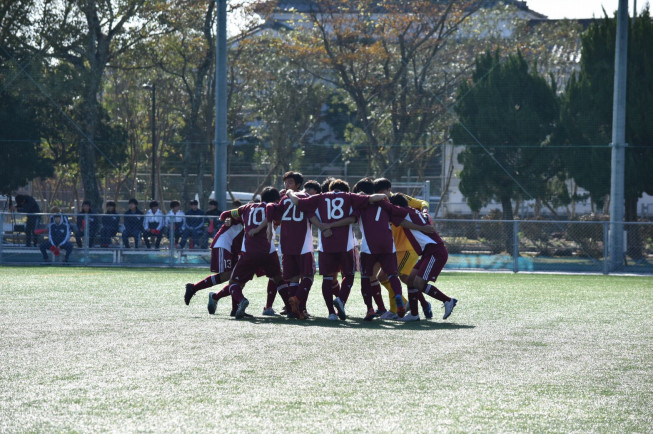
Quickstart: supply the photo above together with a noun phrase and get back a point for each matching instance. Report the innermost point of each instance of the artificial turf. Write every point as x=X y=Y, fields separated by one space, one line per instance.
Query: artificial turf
x=89 y=349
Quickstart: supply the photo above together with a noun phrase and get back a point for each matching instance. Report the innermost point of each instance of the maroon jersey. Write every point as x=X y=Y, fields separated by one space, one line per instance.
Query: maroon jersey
x=419 y=240
x=229 y=238
x=374 y=222
x=252 y=215
x=329 y=208
x=296 y=231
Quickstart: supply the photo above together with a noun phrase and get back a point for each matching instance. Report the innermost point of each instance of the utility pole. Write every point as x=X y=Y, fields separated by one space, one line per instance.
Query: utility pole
x=619 y=140
x=220 y=156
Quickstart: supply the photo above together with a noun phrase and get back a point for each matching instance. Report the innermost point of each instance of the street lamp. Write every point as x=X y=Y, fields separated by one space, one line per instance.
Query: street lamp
x=152 y=87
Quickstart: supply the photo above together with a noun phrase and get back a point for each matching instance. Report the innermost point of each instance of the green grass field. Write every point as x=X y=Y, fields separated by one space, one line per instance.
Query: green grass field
x=87 y=349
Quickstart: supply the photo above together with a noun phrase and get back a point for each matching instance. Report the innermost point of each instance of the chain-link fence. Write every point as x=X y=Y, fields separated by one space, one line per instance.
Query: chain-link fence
x=480 y=244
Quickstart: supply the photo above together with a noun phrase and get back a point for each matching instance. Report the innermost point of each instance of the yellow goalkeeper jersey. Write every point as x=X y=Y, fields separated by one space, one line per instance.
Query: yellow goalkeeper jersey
x=401 y=241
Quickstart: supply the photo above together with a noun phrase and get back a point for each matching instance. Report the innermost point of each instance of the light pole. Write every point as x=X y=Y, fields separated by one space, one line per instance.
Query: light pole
x=220 y=156
x=152 y=87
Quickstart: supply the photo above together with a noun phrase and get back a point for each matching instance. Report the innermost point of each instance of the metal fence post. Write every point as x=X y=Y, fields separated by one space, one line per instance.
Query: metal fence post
x=427 y=193
x=2 y=234
x=606 y=247
x=87 y=230
x=172 y=243
x=515 y=246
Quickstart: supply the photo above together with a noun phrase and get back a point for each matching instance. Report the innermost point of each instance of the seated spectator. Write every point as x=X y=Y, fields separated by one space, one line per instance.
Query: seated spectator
x=133 y=223
x=194 y=226
x=153 y=225
x=58 y=237
x=175 y=223
x=214 y=222
x=86 y=217
x=110 y=224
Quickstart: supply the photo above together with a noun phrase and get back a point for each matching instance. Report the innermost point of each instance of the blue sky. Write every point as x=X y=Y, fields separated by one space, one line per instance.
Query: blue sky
x=556 y=9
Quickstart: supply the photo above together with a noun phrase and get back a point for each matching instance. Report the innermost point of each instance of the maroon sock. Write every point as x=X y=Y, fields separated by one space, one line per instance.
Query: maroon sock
x=395 y=283
x=436 y=293
x=292 y=289
x=413 y=296
x=207 y=282
x=366 y=292
x=335 y=288
x=224 y=292
x=272 y=294
x=422 y=299
x=327 y=293
x=303 y=290
x=236 y=293
x=376 y=295
x=345 y=288
x=282 y=289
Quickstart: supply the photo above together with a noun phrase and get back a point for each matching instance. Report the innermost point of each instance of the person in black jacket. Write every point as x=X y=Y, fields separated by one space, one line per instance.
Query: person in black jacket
x=58 y=236
x=110 y=224
x=195 y=226
x=86 y=217
x=214 y=222
x=28 y=205
x=133 y=224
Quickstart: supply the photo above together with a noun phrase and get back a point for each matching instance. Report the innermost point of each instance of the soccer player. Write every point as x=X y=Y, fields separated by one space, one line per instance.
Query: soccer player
x=406 y=255
x=297 y=257
x=336 y=252
x=433 y=257
x=256 y=252
x=224 y=254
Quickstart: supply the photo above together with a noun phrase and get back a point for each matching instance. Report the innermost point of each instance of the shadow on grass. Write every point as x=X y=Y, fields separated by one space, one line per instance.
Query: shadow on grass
x=354 y=323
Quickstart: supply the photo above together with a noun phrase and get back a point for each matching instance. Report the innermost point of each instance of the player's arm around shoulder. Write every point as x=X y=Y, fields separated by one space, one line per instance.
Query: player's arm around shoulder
x=417 y=204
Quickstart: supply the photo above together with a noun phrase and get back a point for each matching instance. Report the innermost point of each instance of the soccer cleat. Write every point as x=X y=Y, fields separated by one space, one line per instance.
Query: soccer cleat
x=401 y=309
x=190 y=292
x=305 y=314
x=294 y=306
x=340 y=308
x=388 y=315
x=333 y=317
x=285 y=310
x=448 y=307
x=371 y=314
x=240 y=312
x=268 y=311
x=428 y=312
x=409 y=317
x=213 y=305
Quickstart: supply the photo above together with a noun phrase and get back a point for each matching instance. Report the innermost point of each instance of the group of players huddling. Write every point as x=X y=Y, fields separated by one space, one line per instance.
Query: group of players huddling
x=399 y=244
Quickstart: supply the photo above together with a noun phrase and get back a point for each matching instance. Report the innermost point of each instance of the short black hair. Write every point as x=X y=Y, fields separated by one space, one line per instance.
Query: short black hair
x=399 y=199
x=153 y=204
x=236 y=203
x=381 y=184
x=312 y=185
x=194 y=202
x=213 y=202
x=339 y=185
x=86 y=202
x=298 y=177
x=270 y=194
x=324 y=187
x=365 y=185
x=111 y=203
x=134 y=201
x=174 y=203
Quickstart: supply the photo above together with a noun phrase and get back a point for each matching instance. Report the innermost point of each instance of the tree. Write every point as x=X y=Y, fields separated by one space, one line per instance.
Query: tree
x=385 y=56
x=506 y=114
x=89 y=34
x=281 y=103
x=586 y=116
x=20 y=126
